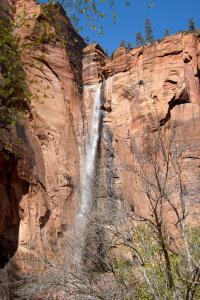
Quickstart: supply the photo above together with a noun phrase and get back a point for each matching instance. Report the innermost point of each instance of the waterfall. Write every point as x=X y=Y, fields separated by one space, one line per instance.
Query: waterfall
x=88 y=172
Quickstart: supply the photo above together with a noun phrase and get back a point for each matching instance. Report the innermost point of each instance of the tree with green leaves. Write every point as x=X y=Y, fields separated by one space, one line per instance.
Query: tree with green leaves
x=91 y=10
x=148 y=31
x=191 y=24
x=14 y=93
x=139 y=40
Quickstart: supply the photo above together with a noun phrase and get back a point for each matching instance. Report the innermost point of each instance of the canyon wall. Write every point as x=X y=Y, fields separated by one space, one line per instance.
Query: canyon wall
x=40 y=182
x=53 y=65
x=146 y=89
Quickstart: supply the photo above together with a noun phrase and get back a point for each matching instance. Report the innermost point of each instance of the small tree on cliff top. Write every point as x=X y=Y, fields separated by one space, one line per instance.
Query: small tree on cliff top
x=166 y=33
x=122 y=43
x=139 y=39
x=191 y=24
x=148 y=31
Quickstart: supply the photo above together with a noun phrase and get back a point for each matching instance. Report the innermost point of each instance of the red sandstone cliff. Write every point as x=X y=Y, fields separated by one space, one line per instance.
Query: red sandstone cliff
x=40 y=186
x=53 y=63
x=159 y=81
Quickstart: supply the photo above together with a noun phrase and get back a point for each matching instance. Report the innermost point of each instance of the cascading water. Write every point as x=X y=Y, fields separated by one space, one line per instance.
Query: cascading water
x=88 y=172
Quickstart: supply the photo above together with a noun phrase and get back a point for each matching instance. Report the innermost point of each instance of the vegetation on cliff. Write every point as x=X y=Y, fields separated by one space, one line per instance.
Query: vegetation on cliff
x=14 y=93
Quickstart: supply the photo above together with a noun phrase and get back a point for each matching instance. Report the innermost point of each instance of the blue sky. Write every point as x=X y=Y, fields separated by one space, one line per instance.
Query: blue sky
x=165 y=14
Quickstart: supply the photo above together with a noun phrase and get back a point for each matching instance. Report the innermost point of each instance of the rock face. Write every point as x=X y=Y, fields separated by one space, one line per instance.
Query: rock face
x=40 y=184
x=159 y=82
x=54 y=67
x=15 y=176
